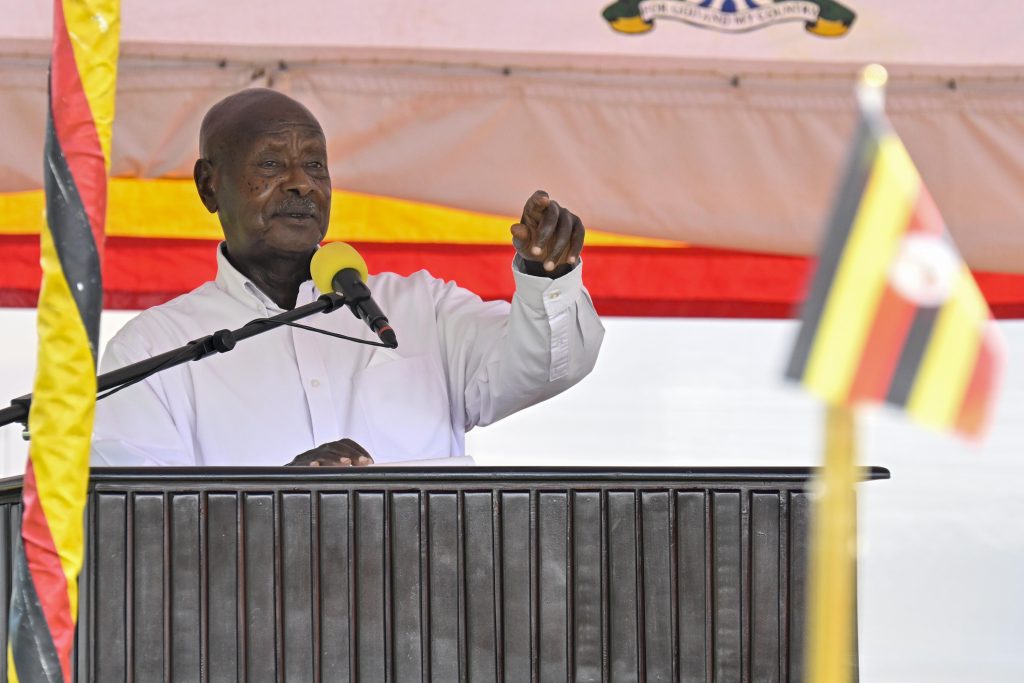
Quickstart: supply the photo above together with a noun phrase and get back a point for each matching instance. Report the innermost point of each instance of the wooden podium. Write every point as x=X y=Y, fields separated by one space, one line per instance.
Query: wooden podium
x=440 y=574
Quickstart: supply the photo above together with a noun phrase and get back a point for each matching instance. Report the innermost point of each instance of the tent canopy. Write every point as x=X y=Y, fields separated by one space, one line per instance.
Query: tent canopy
x=710 y=137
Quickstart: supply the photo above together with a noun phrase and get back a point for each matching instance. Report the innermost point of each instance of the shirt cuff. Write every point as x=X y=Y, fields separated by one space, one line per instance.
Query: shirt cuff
x=545 y=294
x=554 y=298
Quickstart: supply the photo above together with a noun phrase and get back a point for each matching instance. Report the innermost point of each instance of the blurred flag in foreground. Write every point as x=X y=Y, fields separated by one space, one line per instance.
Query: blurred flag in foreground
x=43 y=609
x=893 y=313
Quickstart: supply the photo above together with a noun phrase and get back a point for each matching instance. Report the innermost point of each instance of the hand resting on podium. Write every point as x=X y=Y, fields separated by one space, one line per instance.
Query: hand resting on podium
x=342 y=453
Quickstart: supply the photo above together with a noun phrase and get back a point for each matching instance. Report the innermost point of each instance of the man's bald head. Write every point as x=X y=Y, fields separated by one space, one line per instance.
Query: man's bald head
x=236 y=119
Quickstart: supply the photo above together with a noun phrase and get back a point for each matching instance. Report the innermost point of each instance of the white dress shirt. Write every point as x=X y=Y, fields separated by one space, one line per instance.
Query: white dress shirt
x=460 y=362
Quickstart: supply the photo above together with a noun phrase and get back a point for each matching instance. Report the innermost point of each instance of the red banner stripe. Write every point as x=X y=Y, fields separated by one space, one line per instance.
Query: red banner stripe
x=76 y=129
x=46 y=570
x=141 y=272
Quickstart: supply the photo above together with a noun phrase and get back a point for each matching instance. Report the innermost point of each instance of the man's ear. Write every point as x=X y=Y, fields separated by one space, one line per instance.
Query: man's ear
x=203 y=174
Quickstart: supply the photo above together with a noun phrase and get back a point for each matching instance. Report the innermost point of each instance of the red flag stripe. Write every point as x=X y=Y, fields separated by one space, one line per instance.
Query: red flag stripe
x=883 y=347
x=925 y=218
x=44 y=565
x=76 y=129
x=980 y=390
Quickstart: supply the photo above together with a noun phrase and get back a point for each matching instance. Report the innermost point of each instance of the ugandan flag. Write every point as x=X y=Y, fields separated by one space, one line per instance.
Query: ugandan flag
x=893 y=313
x=46 y=562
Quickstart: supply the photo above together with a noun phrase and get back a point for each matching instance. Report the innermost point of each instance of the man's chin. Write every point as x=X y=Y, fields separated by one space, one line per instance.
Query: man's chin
x=297 y=239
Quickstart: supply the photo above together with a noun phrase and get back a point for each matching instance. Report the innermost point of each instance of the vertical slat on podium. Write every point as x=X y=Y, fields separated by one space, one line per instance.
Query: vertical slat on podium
x=516 y=589
x=15 y=527
x=478 y=511
x=587 y=609
x=82 y=668
x=110 y=589
x=658 y=628
x=260 y=603
x=692 y=562
x=148 y=582
x=764 y=587
x=222 y=578
x=7 y=547
x=184 y=586
x=298 y=586
x=624 y=642
x=443 y=545
x=370 y=622
x=405 y=588
x=552 y=529
x=799 y=530
x=727 y=587
x=335 y=605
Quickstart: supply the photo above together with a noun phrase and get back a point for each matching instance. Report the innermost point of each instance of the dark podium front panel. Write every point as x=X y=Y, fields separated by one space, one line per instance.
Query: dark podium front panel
x=481 y=574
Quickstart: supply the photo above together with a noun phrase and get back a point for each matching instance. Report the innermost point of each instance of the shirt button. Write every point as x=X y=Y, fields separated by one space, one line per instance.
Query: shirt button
x=554 y=294
x=315 y=383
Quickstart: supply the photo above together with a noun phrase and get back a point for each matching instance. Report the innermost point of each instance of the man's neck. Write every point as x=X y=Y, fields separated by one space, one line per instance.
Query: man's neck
x=279 y=278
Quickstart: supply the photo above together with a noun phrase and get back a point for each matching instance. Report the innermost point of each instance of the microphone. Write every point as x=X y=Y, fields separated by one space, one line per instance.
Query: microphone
x=337 y=267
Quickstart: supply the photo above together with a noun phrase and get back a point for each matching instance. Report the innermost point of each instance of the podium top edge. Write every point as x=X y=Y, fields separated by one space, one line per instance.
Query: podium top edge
x=212 y=476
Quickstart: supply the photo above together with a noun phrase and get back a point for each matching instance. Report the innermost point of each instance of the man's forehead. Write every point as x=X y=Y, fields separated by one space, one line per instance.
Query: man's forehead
x=284 y=131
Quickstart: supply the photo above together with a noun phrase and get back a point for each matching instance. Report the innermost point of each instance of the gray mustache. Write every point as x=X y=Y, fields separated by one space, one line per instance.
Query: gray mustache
x=298 y=205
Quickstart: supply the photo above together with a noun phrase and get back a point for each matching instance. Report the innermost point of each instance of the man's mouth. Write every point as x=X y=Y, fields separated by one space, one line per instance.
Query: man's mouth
x=297 y=210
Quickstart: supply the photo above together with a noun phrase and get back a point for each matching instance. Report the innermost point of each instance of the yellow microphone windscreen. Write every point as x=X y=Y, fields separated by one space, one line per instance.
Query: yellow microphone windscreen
x=331 y=258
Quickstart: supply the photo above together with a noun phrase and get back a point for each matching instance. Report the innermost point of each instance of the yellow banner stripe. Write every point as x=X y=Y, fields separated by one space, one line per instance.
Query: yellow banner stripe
x=94 y=27
x=860 y=278
x=170 y=208
x=61 y=416
x=951 y=355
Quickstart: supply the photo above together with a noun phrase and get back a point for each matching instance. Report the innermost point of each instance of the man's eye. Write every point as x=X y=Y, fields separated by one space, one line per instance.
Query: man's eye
x=315 y=164
x=269 y=163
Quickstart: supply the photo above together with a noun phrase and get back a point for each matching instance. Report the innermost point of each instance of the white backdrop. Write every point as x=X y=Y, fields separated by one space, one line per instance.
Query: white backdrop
x=942 y=546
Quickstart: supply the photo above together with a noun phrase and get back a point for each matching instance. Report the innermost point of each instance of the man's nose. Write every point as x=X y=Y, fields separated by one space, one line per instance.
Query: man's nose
x=298 y=181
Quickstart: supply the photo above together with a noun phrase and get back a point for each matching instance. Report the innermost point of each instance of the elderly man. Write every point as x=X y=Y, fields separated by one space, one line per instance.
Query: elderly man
x=297 y=397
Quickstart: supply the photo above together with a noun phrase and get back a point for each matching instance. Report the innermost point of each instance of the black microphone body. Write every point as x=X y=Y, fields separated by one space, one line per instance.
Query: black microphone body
x=350 y=285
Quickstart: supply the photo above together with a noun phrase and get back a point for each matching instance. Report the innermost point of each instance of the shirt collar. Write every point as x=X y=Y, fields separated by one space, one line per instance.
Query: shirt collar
x=239 y=287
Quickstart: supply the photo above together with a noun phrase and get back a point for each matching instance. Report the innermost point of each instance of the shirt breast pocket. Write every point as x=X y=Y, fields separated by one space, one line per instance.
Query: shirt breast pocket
x=404 y=407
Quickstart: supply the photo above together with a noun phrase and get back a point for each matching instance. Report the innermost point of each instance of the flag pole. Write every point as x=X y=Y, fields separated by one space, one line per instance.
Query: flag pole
x=834 y=549
x=833 y=575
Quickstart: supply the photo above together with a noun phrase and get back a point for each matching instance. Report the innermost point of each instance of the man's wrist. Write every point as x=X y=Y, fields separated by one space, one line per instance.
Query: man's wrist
x=536 y=268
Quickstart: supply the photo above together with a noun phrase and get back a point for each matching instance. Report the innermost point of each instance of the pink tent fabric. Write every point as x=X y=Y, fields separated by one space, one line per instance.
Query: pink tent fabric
x=713 y=138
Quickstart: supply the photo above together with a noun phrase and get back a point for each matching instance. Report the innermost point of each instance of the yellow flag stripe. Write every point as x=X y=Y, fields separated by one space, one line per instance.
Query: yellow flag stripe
x=61 y=417
x=950 y=355
x=169 y=208
x=93 y=27
x=12 y=674
x=861 y=275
